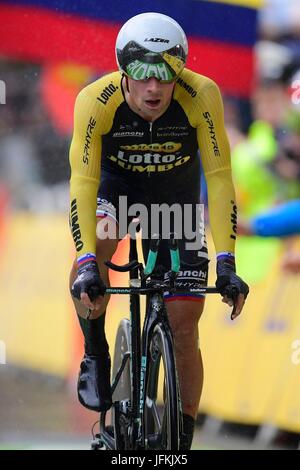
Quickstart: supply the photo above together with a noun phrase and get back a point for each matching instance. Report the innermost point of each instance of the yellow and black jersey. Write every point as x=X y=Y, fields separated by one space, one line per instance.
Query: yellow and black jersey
x=109 y=136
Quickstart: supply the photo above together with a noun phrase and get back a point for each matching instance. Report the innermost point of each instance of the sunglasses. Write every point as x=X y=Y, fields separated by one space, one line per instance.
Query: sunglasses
x=142 y=64
x=139 y=70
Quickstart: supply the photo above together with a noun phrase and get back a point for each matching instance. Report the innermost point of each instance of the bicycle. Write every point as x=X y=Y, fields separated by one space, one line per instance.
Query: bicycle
x=138 y=422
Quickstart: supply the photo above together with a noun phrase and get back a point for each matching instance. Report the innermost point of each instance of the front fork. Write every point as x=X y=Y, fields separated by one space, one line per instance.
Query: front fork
x=155 y=313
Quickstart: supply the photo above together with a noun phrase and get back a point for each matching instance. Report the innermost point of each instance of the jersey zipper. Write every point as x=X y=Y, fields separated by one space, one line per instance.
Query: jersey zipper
x=150 y=129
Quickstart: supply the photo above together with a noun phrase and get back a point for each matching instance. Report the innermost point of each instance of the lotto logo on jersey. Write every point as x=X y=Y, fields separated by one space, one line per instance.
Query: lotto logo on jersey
x=106 y=93
x=233 y=220
x=148 y=162
x=167 y=159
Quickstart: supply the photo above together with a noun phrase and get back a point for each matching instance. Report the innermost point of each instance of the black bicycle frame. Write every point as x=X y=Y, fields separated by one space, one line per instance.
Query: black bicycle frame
x=138 y=355
x=135 y=336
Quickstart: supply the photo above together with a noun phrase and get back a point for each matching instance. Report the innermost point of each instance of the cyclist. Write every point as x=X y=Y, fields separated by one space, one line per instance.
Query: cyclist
x=137 y=132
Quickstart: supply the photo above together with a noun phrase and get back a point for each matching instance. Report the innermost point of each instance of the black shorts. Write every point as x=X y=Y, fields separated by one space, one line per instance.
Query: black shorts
x=162 y=211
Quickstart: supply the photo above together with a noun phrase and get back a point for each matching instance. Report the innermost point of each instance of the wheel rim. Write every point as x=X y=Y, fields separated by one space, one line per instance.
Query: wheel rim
x=158 y=427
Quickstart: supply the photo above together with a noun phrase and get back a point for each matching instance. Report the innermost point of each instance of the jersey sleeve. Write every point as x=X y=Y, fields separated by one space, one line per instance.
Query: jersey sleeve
x=215 y=155
x=85 y=160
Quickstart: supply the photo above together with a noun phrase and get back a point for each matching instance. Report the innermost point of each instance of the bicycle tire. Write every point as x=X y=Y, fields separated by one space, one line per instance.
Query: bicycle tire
x=122 y=393
x=162 y=423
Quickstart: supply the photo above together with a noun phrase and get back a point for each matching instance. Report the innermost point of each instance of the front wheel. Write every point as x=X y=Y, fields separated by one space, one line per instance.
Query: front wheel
x=122 y=393
x=162 y=410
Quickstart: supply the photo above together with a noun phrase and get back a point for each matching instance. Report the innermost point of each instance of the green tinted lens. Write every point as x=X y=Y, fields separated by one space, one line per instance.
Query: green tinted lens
x=139 y=70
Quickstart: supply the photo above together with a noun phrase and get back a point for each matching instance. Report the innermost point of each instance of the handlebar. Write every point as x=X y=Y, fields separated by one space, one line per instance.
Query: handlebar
x=125 y=267
x=151 y=289
x=151 y=259
x=141 y=288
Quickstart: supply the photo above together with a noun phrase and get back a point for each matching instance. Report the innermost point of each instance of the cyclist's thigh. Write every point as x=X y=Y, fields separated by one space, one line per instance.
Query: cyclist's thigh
x=192 y=249
x=113 y=199
x=107 y=219
x=185 y=310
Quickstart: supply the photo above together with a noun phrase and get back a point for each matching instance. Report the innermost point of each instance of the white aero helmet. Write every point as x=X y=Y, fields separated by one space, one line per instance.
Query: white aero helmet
x=151 y=45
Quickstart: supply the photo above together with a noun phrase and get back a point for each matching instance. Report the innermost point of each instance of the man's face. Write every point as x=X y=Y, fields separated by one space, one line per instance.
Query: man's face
x=149 y=98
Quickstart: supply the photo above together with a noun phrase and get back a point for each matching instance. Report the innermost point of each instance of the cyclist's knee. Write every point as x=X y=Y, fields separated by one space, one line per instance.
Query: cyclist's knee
x=184 y=317
x=186 y=334
x=185 y=311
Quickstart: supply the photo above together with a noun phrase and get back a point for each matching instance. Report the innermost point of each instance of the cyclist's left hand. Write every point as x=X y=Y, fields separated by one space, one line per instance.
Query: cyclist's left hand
x=232 y=288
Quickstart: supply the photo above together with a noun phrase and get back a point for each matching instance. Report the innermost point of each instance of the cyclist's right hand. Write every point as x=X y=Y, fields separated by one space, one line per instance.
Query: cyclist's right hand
x=88 y=286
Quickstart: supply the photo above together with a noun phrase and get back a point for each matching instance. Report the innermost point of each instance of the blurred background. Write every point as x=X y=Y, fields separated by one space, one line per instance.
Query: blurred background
x=49 y=50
